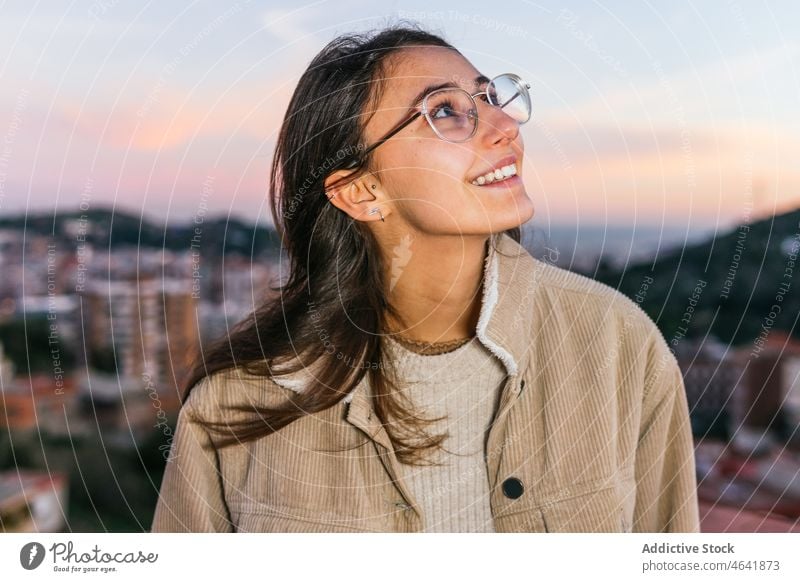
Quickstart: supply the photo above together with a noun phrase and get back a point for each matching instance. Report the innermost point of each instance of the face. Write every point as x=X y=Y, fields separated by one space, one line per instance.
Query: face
x=427 y=184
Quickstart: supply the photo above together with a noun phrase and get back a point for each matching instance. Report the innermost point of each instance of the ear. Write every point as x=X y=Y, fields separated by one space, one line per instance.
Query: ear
x=354 y=195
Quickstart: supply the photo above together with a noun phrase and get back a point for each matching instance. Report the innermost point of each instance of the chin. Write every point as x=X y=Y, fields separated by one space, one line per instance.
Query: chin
x=519 y=211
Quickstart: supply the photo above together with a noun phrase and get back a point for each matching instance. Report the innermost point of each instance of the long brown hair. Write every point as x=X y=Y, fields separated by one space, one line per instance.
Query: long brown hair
x=337 y=280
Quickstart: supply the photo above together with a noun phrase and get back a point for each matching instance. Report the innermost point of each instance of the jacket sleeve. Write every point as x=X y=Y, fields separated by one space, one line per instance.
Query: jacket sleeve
x=191 y=497
x=666 y=496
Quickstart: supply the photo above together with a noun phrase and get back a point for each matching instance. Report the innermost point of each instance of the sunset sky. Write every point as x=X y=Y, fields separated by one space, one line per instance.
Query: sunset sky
x=683 y=113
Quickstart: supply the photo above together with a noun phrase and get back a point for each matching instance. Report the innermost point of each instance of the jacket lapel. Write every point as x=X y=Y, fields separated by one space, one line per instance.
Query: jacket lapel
x=505 y=322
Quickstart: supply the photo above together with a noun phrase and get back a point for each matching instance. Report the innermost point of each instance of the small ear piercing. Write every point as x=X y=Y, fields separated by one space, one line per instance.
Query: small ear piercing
x=378 y=210
x=373 y=186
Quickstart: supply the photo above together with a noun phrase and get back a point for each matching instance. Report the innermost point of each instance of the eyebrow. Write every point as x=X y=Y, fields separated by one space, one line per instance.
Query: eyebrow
x=479 y=80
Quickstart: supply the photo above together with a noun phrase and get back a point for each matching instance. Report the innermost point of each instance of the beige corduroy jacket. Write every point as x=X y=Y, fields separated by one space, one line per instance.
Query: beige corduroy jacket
x=591 y=432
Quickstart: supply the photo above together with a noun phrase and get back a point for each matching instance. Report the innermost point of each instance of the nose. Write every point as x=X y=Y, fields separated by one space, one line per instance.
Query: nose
x=495 y=125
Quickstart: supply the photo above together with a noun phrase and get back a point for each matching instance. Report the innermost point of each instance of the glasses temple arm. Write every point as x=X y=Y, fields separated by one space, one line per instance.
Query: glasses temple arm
x=391 y=133
x=386 y=137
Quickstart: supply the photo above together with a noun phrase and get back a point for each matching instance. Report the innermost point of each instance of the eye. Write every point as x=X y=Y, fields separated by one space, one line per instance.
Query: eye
x=445 y=107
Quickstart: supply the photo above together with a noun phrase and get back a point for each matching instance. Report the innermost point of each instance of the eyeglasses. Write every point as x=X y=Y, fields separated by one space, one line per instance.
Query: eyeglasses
x=453 y=114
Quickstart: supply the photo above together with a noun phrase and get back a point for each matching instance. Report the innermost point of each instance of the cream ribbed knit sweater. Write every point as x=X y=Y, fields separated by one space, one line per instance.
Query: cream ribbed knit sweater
x=463 y=384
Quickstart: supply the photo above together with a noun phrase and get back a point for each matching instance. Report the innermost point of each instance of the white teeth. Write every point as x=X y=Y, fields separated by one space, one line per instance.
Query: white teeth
x=496 y=175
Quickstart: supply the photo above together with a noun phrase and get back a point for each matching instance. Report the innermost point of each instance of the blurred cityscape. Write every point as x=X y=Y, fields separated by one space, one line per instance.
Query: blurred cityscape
x=99 y=324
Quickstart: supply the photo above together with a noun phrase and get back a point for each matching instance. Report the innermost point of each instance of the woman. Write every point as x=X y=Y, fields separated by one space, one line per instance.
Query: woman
x=420 y=371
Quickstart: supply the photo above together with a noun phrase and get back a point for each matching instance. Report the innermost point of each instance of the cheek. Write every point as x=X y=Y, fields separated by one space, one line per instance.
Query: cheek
x=429 y=168
x=430 y=196
x=426 y=197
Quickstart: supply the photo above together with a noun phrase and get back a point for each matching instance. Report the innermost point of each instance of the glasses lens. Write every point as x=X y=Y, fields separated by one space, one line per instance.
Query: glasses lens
x=452 y=113
x=510 y=93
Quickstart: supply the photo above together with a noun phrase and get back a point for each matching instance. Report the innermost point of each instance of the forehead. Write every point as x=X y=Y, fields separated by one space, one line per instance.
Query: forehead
x=412 y=69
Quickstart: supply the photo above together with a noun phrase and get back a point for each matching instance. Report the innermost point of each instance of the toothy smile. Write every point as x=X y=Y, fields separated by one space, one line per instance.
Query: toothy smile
x=505 y=169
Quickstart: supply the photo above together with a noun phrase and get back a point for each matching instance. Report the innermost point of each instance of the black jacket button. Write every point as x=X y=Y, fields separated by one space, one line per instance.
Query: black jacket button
x=512 y=488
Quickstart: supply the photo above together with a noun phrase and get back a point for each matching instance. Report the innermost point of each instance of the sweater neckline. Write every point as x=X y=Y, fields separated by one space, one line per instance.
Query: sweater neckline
x=459 y=363
x=425 y=348
x=412 y=351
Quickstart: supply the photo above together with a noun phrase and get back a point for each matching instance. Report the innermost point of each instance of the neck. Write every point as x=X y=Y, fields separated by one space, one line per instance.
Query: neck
x=436 y=285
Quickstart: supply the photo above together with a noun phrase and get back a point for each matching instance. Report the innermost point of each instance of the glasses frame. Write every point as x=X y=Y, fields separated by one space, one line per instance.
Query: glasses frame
x=426 y=113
